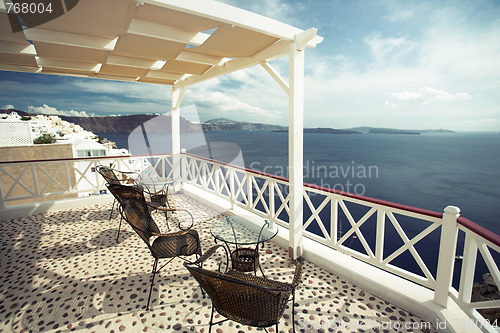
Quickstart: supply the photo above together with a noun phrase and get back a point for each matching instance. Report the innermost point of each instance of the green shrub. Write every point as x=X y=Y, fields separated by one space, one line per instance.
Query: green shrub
x=45 y=138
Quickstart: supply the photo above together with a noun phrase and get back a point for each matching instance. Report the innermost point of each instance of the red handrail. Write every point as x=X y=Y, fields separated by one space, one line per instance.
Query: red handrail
x=481 y=231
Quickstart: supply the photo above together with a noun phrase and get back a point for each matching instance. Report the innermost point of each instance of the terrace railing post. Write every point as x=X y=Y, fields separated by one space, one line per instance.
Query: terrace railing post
x=2 y=202
x=183 y=166
x=468 y=268
x=446 y=259
x=232 y=174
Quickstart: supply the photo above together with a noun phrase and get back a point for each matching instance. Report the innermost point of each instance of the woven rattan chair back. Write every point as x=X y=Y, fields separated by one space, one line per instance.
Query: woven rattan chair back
x=136 y=213
x=123 y=192
x=180 y=243
x=247 y=299
x=108 y=174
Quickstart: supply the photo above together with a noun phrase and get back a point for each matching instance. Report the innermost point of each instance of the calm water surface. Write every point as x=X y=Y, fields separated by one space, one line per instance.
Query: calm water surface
x=428 y=171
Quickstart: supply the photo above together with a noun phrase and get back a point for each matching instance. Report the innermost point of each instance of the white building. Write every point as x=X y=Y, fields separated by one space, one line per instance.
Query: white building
x=14 y=131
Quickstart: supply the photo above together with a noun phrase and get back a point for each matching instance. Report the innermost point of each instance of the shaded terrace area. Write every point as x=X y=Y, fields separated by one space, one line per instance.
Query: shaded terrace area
x=64 y=271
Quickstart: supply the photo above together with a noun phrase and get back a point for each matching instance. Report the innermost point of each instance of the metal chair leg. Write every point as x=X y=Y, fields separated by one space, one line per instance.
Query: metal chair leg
x=166 y=221
x=112 y=208
x=155 y=265
x=211 y=320
x=119 y=227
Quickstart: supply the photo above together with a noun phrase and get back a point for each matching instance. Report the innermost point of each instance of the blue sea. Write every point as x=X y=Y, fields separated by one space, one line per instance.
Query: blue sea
x=429 y=171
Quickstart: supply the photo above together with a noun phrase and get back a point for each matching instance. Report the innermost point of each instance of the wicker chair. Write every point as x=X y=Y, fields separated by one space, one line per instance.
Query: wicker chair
x=122 y=193
x=247 y=299
x=164 y=246
x=129 y=178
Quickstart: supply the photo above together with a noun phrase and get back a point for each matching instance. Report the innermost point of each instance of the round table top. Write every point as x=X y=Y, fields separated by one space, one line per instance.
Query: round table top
x=240 y=231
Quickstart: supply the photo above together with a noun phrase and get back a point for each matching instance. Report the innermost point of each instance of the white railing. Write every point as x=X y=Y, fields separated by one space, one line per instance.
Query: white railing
x=382 y=234
x=46 y=179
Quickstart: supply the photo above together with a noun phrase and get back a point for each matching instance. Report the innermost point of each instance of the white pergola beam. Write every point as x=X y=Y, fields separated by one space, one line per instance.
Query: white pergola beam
x=305 y=37
x=278 y=49
x=63 y=38
x=165 y=32
x=275 y=75
x=226 y=14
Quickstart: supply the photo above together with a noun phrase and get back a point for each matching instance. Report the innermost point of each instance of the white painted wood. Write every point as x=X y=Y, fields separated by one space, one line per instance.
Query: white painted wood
x=276 y=76
x=490 y=262
x=2 y=202
x=176 y=136
x=379 y=240
x=165 y=32
x=447 y=250
x=295 y=149
x=305 y=38
x=235 y=17
x=276 y=50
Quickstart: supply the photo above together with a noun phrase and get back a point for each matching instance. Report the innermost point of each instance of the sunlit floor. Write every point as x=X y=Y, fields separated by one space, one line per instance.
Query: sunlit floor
x=64 y=271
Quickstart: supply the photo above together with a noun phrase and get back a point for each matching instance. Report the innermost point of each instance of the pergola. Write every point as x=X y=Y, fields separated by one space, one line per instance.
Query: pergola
x=170 y=42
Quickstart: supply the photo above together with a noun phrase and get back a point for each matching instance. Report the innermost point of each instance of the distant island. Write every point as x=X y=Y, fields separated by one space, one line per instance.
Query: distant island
x=381 y=130
x=126 y=124
x=325 y=131
x=224 y=124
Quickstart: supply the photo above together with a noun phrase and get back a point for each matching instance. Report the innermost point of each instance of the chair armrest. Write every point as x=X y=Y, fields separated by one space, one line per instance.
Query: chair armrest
x=175 y=210
x=297 y=276
x=207 y=255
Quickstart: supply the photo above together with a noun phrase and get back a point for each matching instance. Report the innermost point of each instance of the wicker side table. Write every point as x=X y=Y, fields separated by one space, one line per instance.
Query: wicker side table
x=241 y=232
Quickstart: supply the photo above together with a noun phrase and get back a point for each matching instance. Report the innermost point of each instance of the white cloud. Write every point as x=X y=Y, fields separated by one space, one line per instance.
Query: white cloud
x=386 y=50
x=8 y=107
x=45 y=109
x=391 y=104
x=135 y=90
x=401 y=15
x=429 y=95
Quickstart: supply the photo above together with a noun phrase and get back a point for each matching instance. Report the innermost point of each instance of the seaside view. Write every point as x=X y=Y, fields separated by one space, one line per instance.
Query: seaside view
x=429 y=171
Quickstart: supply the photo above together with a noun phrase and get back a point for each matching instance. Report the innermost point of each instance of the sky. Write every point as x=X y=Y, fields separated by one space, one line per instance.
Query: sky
x=398 y=64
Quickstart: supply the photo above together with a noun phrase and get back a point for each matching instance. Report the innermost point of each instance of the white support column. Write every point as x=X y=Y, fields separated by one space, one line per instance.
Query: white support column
x=446 y=259
x=295 y=148
x=176 y=137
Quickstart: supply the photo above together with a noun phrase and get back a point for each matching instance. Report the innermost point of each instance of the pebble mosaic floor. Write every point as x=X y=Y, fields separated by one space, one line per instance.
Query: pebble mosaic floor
x=64 y=271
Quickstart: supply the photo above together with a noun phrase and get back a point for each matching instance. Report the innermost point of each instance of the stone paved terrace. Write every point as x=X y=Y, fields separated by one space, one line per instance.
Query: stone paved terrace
x=64 y=271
